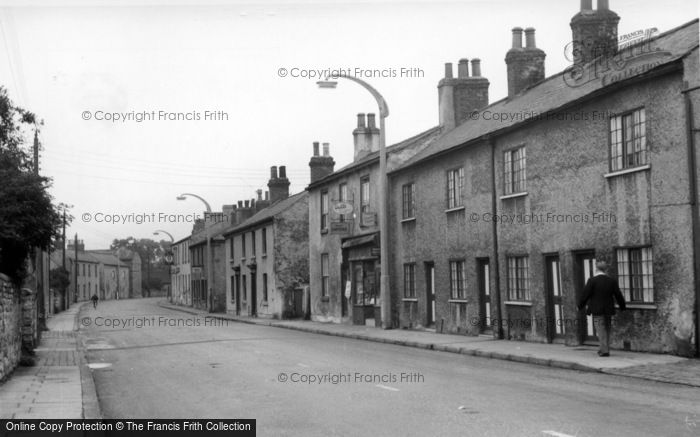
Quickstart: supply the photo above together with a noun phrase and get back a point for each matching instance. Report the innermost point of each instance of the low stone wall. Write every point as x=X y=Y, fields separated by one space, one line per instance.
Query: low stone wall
x=10 y=322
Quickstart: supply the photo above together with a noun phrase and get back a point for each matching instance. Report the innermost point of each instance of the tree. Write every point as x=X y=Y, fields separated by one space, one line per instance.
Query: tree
x=28 y=220
x=152 y=253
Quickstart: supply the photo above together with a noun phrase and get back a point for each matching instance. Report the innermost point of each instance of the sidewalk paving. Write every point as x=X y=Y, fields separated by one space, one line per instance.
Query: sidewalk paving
x=655 y=367
x=59 y=385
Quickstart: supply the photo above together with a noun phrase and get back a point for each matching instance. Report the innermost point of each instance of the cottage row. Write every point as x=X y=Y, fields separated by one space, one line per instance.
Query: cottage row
x=496 y=216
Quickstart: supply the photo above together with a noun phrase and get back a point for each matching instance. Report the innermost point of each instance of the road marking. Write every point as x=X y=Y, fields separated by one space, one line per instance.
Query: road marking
x=387 y=387
x=557 y=434
x=303 y=365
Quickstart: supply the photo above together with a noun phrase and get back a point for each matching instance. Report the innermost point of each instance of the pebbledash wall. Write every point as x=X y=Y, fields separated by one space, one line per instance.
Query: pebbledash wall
x=572 y=208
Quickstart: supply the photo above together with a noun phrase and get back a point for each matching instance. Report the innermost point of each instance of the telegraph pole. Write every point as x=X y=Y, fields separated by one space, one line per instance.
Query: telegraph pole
x=75 y=289
x=39 y=260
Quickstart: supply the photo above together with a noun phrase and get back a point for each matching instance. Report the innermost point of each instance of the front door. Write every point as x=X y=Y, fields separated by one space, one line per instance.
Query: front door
x=430 y=293
x=484 y=296
x=585 y=269
x=238 y=295
x=556 y=327
x=253 y=294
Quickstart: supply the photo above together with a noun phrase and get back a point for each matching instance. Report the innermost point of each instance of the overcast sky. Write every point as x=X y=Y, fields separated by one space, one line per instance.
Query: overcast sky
x=60 y=59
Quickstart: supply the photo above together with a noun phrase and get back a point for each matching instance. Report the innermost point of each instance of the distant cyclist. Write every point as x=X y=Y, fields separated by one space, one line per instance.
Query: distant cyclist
x=94 y=299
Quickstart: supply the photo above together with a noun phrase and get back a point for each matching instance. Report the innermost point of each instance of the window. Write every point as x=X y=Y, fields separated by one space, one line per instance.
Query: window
x=518 y=278
x=243 y=246
x=342 y=197
x=634 y=268
x=409 y=281
x=232 y=249
x=457 y=280
x=324 y=210
x=409 y=201
x=244 y=288
x=233 y=288
x=628 y=141
x=325 y=278
x=514 y=171
x=264 y=240
x=455 y=182
x=264 y=287
x=252 y=244
x=364 y=195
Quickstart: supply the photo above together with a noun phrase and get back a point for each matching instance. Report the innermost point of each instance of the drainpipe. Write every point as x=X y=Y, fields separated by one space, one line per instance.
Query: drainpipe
x=695 y=214
x=494 y=236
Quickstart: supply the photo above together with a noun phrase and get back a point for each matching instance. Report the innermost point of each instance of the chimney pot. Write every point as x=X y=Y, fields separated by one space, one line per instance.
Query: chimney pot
x=360 y=120
x=448 y=70
x=247 y=203
x=517 y=37
x=586 y=5
x=326 y=149
x=283 y=172
x=463 y=68
x=259 y=193
x=240 y=204
x=603 y=5
x=273 y=172
x=476 y=67
x=530 y=38
x=370 y=121
x=315 y=148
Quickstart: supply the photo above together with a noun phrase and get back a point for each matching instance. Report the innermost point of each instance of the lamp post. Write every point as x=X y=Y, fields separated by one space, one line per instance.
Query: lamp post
x=384 y=290
x=210 y=272
x=159 y=231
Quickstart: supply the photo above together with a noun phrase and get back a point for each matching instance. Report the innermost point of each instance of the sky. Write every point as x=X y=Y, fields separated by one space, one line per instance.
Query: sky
x=236 y=76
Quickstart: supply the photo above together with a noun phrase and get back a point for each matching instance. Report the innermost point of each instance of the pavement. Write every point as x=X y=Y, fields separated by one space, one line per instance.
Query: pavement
x=60 y=384
x=647 y=366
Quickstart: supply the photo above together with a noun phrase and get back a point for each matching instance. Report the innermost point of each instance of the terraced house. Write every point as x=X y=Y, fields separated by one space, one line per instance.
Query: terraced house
x=496 y=225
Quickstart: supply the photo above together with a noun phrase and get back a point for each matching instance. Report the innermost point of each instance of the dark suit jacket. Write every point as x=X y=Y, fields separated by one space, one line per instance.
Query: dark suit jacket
x=600 y=293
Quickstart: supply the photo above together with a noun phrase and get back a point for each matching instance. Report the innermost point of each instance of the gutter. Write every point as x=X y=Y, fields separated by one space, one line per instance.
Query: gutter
x=695 y=214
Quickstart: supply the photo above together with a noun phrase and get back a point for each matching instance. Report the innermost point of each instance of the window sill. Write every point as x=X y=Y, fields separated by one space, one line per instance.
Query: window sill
x=640 y=306
x=324 y=231
x=408 y=220
x=627 y=171
x=521 y=303
x=409 y=299
x=455 y=209
x=325 y=298
x=457 y=301
x=514 y=195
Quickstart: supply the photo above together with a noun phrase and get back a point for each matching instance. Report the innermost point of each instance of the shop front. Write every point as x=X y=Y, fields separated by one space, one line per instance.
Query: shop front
x=361 y=265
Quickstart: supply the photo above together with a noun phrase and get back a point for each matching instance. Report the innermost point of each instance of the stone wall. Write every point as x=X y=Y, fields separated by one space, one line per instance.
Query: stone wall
x=10 y=335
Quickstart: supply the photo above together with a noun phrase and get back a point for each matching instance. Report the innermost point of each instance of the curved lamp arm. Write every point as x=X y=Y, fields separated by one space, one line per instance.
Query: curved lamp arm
x=183 y=195
x=383 y=107
x=158 y=231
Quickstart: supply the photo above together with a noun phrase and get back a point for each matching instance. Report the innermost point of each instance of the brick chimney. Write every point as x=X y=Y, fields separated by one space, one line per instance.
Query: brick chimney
x=525 y=64
x=366 y=136
x=594 y=32
x=278 y=185
x=461 y=96
x=321 y=166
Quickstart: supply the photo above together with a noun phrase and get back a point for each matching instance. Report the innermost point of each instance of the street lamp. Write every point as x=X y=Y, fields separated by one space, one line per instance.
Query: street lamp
x=159 y=231
x=383 y=195
x=210 y=272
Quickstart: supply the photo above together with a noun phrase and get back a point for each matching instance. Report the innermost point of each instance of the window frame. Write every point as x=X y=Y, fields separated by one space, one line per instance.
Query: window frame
x=408 y=201
x=626 y=276
x=623 y=155
x=325 y=210
x=409 y=280
x=518 y=287
x=511 y=185
x=325 y=275
x=455 y=191
x=458 y=279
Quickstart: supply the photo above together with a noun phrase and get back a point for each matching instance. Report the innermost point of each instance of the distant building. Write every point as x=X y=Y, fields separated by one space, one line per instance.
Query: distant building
x=180 y=291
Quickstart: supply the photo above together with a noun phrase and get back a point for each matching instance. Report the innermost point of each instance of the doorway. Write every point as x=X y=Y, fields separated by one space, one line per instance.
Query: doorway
x=253 y=294
x=430 y=293
x=585 y=268
x=238 y=294
x=556 y=323
x=483 y=271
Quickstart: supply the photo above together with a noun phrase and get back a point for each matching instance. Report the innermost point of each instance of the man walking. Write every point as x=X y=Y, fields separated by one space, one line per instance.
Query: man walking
x=94 y=299
x=600 y=293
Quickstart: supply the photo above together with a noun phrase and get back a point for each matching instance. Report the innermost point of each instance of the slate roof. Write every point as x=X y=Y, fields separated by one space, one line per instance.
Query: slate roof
x=265 y=214
x=556 y=93
x=393 y=151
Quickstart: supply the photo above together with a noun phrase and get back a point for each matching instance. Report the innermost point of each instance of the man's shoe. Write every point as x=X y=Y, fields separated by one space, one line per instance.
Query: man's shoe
x=602 y=354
